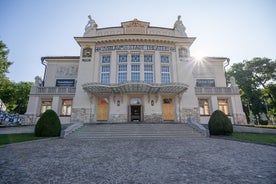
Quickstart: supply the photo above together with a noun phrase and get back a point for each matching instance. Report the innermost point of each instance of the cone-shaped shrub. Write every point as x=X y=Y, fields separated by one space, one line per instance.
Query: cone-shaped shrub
x=220 y=124
x=48 y=125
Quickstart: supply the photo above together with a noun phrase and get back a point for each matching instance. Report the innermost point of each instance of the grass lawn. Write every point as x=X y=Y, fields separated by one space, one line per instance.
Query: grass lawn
x=254 y=137
x=13 y=138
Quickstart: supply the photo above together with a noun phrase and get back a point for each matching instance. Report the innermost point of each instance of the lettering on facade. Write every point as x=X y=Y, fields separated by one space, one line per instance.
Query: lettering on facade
x=135 y=47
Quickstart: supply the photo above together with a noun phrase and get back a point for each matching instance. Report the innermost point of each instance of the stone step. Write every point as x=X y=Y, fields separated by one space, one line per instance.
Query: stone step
x=109 y=131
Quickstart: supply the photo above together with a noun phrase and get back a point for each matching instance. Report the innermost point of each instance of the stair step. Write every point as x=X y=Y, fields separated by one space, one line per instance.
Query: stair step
x=109 y=131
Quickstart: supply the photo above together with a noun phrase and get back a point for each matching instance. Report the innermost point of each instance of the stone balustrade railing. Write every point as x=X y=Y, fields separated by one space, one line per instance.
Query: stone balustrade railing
x=216 y=91
x=36 y=90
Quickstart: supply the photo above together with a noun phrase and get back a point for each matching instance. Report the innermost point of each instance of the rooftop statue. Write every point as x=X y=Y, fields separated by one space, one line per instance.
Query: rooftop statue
x=179 y=27
x=90 y=26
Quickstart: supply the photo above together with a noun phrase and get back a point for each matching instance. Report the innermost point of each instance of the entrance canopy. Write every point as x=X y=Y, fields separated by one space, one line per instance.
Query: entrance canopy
x=134 y=87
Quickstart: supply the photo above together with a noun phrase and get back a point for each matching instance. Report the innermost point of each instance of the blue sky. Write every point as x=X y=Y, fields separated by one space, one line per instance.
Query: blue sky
x=238 y=29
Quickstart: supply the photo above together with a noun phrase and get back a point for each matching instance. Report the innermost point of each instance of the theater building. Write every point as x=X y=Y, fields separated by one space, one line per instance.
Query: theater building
x=135 y=73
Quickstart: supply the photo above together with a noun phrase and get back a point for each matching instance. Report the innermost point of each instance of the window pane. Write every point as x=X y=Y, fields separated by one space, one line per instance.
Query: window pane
x=204 y=107
x=135 y=101
x=106 y=68
x=224 y=106
x=123 y=58
x=106 y=59
x=105 y=78
x=165 y=78
x=147 y=58
x=135 y=76
x=148 y=68
x=135 y=68
x=165 y=69
x=122 y=77
x=165 y=59
x=135 y=58
x=167 y=101
x=66 y=107
x=122 y=68
x=45 y=105
x=148 y=78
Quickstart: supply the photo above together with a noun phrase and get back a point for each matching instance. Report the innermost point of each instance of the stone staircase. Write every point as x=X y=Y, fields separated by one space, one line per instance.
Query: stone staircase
x=111 y=131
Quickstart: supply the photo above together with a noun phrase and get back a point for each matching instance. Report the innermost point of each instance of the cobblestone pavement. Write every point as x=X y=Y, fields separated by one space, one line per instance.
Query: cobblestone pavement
x=155 y=160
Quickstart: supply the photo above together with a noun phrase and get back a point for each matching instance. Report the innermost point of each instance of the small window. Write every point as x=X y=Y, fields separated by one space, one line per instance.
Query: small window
x=165 y=59
x=106 y=59
x=66 y=107
x=223 y=106
x=167 y=101
x=148 y=58
x=135 y=58
x=122 y=58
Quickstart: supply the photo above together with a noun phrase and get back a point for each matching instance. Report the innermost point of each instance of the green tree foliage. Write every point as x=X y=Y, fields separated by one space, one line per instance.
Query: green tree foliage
x=48 y=125
x=220 y=124
x=256 y=79
x=14 y=95
x=4 y=63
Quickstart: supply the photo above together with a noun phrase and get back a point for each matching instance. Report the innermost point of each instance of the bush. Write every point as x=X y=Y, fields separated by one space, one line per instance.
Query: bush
x=220 y=124
x=48 y=125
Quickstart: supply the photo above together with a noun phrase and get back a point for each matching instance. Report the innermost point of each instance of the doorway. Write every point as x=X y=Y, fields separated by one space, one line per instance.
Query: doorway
x=168 y=109
x=135 y=113
x=102 y=111
x=135 y=109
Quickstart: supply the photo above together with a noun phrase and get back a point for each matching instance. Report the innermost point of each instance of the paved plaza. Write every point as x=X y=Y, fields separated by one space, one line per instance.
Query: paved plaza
x=137 y=160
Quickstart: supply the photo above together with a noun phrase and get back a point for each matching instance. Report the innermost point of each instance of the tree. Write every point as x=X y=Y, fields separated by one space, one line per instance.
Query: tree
x=14 y=95
x=4 y=63
x=21 y=96
x=256 y=80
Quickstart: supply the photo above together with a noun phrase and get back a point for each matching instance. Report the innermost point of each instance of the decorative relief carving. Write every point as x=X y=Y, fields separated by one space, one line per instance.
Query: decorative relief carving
x=203 y=71
x=135 y=27
x=67 y=71
x=87 y=52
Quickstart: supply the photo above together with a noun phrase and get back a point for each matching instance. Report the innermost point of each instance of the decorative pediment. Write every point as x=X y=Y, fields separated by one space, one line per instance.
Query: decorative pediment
x=135 y=27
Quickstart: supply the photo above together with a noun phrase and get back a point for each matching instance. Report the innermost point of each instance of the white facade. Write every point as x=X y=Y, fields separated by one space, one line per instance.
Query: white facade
x=135 y=72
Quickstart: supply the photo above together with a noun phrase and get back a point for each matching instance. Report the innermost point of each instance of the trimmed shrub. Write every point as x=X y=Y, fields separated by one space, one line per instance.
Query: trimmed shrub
x=220 y=124
x=48 y=125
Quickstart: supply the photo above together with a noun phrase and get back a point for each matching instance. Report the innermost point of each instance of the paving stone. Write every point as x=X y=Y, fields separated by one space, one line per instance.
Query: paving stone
x=155 y=160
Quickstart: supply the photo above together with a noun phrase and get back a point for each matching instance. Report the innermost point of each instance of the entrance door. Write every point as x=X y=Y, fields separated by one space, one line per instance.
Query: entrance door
x=135 y=111
x=102 y=111
x=168 y=109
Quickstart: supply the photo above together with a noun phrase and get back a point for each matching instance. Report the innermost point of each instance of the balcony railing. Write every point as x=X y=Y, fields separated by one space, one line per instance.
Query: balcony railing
x=52 y=90
x=217 y=91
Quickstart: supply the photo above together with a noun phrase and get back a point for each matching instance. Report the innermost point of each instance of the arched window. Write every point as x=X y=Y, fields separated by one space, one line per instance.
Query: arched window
x=135 y=101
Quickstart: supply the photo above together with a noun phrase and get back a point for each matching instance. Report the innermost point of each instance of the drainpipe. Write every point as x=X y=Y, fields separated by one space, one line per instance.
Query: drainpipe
x=43 y=62
x=227 y=64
